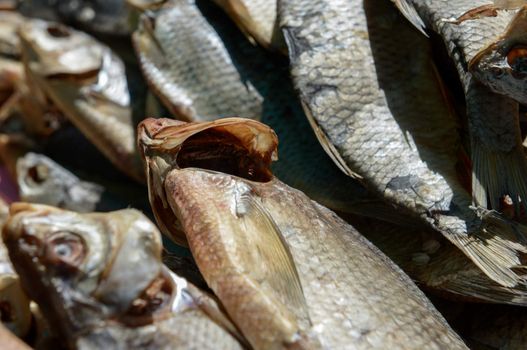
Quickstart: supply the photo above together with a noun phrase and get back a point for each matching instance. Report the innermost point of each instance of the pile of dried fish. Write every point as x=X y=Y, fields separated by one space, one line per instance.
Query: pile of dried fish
x=197 y=174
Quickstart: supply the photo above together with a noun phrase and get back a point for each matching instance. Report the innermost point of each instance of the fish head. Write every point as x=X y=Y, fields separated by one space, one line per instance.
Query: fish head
x=237 y=146
x=83 y=269
x=502 y=65
x=55 y=50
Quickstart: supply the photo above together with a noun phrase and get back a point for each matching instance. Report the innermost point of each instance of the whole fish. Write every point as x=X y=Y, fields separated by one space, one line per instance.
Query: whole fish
x=188 y=66
x=435 y=264
x=99 y=279
x=497 y=154
x=108 y=17
x=258 y=19
x=42 y=180
x=87 y=82
x=359 y=90
x=288 y=271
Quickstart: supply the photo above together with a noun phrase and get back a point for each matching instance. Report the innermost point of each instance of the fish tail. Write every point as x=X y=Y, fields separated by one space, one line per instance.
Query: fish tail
x=496 y=174
x=493 y=243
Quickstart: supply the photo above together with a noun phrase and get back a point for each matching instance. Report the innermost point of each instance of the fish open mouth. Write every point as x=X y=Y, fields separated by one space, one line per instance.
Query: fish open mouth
x=234 y=146
x=220 y=151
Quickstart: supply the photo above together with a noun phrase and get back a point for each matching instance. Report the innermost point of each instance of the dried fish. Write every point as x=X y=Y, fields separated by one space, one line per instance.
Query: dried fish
x=98 y=278
x=288 y=271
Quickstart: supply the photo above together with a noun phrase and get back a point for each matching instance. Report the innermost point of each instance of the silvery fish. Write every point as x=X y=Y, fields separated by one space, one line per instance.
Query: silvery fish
x=359 y=90
x=42 y=180
x=258 y=20
x=497 y=154
x=87 y=82
x=288 y=271
x=99 y=279
x=95 y=16
x=189 y=67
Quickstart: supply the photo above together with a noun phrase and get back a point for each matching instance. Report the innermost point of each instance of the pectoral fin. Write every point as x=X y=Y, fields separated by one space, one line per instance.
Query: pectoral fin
x=411 y=14
x=274 y=257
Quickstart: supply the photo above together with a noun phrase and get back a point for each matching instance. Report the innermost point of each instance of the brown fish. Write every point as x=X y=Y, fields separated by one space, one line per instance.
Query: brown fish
x=288 y=271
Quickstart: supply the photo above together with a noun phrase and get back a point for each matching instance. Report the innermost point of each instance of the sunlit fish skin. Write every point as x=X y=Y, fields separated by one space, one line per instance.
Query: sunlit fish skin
x=87 y=82
x=258 y=19
x=94 y=16
x=288 y=271
x=437 y=265
x=99 y=279
x=188 y=66
x=42 y=180
x=496 y=150
x=359 y=90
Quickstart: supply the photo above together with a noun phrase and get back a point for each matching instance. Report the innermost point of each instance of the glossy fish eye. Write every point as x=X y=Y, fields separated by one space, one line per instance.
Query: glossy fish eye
x=517 y=58
x=64 y=249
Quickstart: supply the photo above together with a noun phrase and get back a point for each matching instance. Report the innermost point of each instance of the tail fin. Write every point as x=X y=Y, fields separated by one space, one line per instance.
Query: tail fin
x=492 y=242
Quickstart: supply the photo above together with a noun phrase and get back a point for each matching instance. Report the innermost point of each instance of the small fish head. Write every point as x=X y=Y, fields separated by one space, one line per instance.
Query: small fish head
x=502 y=65
x=52 y=49
x=236 y=146
x=82 y=269
x=503 y=69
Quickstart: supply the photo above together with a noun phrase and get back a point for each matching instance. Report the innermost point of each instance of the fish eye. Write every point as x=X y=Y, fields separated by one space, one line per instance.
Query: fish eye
x=64 y=249
x=38 y=173
x=58 y=31
x=517 y=59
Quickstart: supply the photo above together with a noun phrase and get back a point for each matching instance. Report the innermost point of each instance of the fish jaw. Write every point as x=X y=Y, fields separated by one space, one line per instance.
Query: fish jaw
x=83 y=269
x=161 y=142
x=502 y=65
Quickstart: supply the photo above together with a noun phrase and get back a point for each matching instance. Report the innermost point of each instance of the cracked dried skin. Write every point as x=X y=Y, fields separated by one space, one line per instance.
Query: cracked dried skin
x=258 y=19
x=497 y=153
x=189 y=67
x=345 y=59
x=99 y=279
x=87 y=82
x=346 y=293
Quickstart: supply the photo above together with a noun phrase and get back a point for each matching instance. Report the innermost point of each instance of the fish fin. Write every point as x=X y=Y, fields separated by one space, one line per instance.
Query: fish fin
x=487 y=185
x=493 y=243
x=274 y=254
x=328 y=147
x=410 y=13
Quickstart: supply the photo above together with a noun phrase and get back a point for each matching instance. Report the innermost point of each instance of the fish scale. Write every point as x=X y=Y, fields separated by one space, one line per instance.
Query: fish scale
x=496 y=145
x=348 y=304
x=374 y=127
x=188 y=65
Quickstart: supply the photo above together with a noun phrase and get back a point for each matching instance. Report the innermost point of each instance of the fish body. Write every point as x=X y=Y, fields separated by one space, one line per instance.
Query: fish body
x=288 y=271
x=99 y=279
x=188 y=66
x=42 y=180
x=496 y=151
x=363 y=108
x=87 y=82
x=258 y=19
